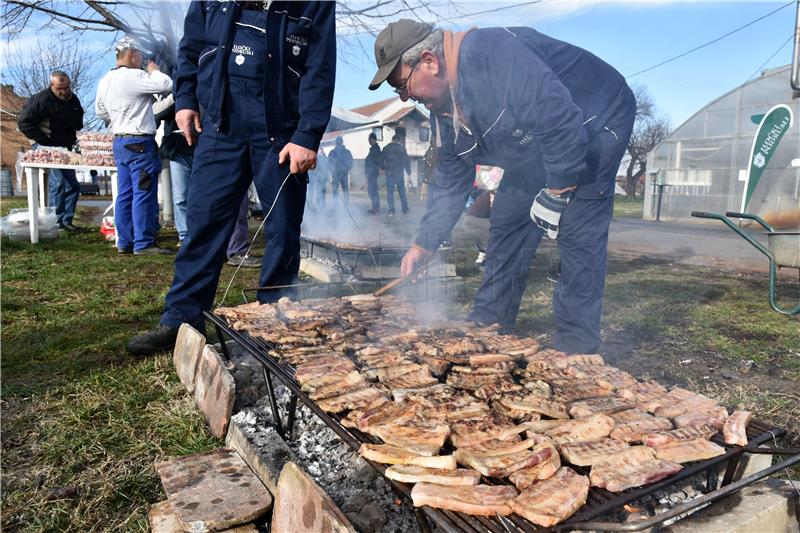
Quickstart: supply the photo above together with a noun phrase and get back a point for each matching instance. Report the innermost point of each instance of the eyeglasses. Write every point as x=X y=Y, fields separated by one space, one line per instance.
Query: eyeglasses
x=403 y=87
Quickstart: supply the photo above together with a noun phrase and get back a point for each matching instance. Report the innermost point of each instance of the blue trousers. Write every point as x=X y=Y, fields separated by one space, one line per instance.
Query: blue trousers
x=240 y=239
x=396 y=181
x=180 y=168
x=340 y=179
x=582 y=245
x=224 y=166
x=372 y=191
x=62 y=193
x=136 y=207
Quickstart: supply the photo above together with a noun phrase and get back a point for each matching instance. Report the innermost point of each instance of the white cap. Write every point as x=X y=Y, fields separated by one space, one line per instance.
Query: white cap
x=127 y=43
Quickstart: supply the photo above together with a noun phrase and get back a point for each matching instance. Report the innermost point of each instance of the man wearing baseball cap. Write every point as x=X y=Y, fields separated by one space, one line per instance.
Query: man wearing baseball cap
x=556 y=119
x=125 y=101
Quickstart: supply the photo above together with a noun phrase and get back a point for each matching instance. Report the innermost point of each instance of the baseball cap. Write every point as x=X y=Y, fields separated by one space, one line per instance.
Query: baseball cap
x=127 y=43
x=393 y=42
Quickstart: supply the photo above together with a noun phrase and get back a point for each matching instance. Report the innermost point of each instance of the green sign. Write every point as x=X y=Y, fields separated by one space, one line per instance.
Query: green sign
x=769 y=133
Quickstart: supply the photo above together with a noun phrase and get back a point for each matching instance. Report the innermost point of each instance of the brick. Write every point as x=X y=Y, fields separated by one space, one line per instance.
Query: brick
x=301 y=505
x=163 y=520
x=213 y=491
x=261 y=448
x=188 y=349
x=214 y=391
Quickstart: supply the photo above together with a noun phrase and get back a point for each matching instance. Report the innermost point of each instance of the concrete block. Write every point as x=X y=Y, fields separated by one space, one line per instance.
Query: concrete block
x=770 y=506
x=261 y=448
x=750 y=463
x=215 y=391
x=213 y=491
x=301 y=505
x=319 y=270
x=188 y=348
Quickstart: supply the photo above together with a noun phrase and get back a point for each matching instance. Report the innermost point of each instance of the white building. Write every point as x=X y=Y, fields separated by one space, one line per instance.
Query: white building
x=385 y=119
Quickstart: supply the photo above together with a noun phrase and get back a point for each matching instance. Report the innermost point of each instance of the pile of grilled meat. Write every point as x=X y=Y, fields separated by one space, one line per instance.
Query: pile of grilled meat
x=454 y=404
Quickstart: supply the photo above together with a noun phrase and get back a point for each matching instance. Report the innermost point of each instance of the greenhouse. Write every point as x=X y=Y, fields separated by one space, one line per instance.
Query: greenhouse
x=704 y=164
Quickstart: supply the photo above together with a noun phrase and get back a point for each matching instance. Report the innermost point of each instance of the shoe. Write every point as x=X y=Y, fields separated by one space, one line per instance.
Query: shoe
x=554 y=277
x=245 y=261
x=373 y=212
x=405 y=211
x=160 y=339
x=391 y=213
x=68 y=227
x=124 y=251
x=481 y=258
x=152 y=250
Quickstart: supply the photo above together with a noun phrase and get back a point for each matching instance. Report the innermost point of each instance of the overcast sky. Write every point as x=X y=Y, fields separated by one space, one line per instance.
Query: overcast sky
x=630 y=35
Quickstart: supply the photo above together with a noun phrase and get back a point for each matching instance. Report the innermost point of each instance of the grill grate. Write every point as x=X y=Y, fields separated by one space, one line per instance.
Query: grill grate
x=599 y=502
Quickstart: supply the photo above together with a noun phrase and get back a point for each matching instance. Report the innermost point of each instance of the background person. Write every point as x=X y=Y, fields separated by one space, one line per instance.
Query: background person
x=318 y=179
x=125 y=101
x=396 y=160
x=341 y=162
x=50 y=118
x=372 y=168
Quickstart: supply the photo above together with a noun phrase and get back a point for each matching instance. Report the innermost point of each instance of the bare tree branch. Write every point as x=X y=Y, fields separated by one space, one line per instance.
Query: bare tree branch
x=648 y=131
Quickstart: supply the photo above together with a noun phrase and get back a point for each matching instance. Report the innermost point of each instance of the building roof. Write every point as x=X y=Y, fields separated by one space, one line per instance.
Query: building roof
x=10 y=102
x=371 y=109
x=351 y=116
x=401 y=113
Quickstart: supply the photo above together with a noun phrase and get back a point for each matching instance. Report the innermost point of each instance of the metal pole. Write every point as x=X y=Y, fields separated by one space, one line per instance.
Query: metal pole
x=273 y=404
x=796 y=53
x=658 y=207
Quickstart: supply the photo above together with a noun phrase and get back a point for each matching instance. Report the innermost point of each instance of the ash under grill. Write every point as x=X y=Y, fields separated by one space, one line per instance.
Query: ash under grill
x=691 y=489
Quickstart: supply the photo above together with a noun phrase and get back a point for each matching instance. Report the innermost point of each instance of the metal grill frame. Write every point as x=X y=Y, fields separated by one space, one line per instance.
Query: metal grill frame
x=599 y=502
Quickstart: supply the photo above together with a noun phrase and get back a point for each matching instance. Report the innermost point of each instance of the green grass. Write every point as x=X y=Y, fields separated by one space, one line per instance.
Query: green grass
x=625 y=207
x=78 y=411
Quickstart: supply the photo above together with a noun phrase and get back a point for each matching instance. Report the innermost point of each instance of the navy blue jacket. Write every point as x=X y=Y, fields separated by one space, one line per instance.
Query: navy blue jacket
x=395 y=159
x=300 y=74
x=532 y=105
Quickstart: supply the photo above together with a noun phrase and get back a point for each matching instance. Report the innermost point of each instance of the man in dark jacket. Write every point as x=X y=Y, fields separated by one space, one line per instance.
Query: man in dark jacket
x=557 y=119
x=396 y=160
x=341 y=161
x=264 y=74
x=372 y=168
x=51 y=118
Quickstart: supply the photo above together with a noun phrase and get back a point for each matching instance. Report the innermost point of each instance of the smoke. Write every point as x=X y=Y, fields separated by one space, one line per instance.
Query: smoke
x=433 y=292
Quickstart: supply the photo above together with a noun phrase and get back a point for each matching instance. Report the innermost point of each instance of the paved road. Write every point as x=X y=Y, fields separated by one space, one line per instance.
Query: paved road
x=706 y=244
x=698 y=244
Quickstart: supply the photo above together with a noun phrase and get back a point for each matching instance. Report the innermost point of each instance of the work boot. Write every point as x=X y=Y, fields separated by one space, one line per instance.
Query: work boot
x=245 y=261
x=160 y=339
x=152 y=250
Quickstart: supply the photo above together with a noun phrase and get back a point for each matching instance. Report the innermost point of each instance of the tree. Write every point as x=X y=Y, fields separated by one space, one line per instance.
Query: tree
x=29 y=71
x=158 y=24
x=649 y=129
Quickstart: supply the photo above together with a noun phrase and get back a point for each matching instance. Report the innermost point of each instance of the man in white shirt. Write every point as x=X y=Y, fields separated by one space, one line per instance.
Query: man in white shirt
x=125 y=101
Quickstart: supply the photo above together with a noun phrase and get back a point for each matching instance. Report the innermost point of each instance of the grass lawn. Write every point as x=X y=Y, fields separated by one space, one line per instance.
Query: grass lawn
x=625 y=207
x=83 y=422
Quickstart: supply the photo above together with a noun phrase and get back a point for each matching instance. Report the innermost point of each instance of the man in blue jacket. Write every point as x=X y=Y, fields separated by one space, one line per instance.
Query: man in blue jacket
x=557 y=119
x=263 y=72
